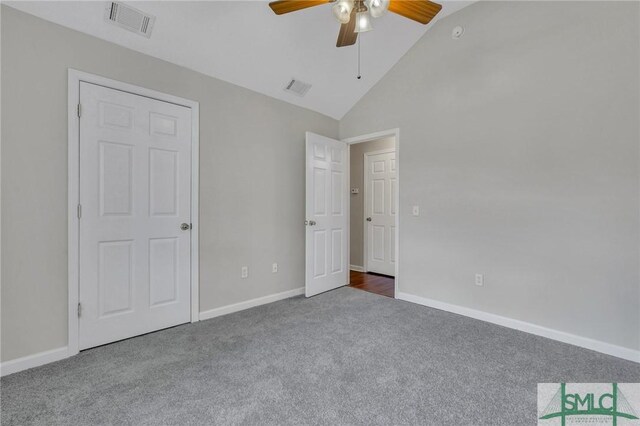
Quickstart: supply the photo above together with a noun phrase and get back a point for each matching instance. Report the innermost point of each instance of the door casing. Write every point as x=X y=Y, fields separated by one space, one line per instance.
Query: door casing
x=395 y=133
x=74 y=79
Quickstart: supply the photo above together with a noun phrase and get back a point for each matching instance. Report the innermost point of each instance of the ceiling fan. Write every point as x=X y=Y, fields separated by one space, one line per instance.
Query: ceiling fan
x=355 y=15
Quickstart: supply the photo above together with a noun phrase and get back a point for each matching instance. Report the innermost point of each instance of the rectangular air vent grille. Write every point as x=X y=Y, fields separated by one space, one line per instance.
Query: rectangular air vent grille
x=129 y=18
x=297 y=87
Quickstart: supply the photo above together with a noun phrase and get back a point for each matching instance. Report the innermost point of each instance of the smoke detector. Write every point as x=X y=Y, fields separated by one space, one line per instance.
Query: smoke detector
x=457 y=32
x=129 y=18
x=297 y=87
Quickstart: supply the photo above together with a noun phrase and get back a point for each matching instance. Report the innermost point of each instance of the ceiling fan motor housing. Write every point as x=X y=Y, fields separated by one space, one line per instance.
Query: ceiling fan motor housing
x=354 y=15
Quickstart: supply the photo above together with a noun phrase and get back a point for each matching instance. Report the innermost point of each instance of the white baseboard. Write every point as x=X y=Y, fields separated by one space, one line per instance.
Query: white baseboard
x=224 y=310
x=356 y=268
x=561 y=336
x=35 y=360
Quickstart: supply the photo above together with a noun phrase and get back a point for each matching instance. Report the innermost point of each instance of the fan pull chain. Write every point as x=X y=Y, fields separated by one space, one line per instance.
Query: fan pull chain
x=359 y=76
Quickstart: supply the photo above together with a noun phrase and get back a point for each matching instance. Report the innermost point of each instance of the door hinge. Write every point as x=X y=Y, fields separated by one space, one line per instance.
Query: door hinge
x=79 y=211
x=79 y=110
x=79 y=309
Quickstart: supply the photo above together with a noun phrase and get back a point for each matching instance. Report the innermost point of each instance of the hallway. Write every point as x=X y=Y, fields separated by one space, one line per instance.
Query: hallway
x=373 y=283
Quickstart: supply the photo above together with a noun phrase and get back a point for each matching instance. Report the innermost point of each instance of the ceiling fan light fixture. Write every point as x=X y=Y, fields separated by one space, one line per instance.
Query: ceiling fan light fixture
x=377 y=8
x=342 y=10
x=363 y=22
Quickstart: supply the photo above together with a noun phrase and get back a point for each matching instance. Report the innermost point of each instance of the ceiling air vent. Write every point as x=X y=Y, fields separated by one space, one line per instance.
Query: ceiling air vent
x=129 y=18
x=297 y=87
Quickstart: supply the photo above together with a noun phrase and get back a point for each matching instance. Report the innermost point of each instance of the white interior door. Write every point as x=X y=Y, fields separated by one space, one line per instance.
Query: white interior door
x=326 y=212
x=380 y=210
x=135 y=194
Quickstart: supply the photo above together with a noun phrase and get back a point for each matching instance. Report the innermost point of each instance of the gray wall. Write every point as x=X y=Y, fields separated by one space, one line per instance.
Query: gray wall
x=356 y=237
x=520 y=143
x=251 y=177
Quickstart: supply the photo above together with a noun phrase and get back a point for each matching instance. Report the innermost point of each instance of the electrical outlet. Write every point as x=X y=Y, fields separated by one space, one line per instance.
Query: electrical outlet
x=416 y=210
x=274 y=268
x=245 y=272
x=479 y=279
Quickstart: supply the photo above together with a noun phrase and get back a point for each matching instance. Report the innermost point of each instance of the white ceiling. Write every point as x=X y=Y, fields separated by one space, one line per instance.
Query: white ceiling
x=245 y=43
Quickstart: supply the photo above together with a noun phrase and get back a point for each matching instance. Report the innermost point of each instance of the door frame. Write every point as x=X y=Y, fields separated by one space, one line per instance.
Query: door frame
x=365 y=234
x=366 y=138
x=75 y=77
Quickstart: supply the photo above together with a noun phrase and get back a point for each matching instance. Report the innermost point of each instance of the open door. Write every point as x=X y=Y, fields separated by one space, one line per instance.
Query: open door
x=326 y=214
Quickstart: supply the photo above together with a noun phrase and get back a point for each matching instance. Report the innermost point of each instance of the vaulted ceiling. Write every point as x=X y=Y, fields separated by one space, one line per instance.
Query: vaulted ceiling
x=245 y=43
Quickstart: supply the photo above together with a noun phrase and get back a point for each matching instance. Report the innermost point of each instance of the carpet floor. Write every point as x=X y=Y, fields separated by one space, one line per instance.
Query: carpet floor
x=343 y=357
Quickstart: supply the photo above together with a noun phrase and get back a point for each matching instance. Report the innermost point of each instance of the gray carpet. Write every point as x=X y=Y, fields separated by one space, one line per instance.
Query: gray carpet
x=344 y=357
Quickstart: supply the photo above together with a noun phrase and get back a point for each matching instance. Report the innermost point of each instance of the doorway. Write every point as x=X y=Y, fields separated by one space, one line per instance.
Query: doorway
x=373 y=218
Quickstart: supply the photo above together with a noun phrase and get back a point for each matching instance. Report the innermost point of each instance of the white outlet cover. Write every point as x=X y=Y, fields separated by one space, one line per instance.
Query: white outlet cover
x=274 y=268
x=416 y=210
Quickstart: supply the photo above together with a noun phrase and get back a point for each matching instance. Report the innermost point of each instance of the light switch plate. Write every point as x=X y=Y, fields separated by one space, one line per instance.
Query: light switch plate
x=416 y=210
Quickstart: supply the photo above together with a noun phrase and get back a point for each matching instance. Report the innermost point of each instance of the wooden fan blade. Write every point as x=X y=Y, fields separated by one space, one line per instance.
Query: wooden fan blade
x=422 y=11
x=346 y=36
x=286 y=6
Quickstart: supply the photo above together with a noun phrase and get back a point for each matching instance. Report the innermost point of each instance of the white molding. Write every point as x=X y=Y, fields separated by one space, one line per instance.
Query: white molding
x=370 y=137
x=195 y=217
x=560 y=336
x=73 y=197
x=35 y=360
x=357 y=268
x=74 y=79
x=347 y=256
x=241 y=306
x=53 y=355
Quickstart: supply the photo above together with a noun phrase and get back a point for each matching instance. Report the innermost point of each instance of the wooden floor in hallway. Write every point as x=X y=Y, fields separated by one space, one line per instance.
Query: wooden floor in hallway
x=373 y=283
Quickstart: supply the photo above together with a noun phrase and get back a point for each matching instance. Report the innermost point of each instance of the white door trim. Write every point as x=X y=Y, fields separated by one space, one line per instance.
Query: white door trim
x=365 y=224
x=74 y=79
x=366 y=138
